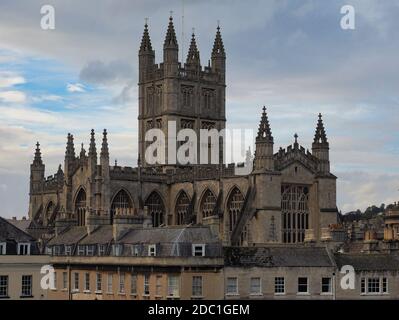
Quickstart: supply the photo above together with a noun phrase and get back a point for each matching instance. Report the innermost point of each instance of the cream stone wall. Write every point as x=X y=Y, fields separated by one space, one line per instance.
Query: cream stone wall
x=17 y=266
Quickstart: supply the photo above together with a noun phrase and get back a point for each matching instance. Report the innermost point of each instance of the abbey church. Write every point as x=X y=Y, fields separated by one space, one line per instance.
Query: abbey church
x=289 y=197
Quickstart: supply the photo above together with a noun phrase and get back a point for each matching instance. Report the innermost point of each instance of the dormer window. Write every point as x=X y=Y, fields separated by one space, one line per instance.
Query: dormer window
x=81 y=250
x=3 y=247
x=135 y=250
x=23 y=249
x=68 y=250
x=90 y=250
x=117 y=250
x=101 y=249
x=198 y=250
x=152 y=250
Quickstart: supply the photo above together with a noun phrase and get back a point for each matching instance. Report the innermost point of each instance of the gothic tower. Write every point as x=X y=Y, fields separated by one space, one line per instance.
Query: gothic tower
x=185 y=94
x=264 y=145
x=37 y=169
x=320 y=147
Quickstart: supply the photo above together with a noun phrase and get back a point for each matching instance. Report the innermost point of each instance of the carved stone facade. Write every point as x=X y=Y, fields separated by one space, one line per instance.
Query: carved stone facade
x=289 y=197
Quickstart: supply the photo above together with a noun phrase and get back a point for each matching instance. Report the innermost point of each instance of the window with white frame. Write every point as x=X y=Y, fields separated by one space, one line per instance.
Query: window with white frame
x=101 y=249
x=146 y=284
x=81 y=250
x=76 y=282
x=68 y=250
x=3 y=286
x=3 y=247
x=122 y=283
x=64 y=280
x=158 y=285
x=303 y=285
x=87 y=282
x=198 y=250
x=98 y=282
x=279 y=285
x=173 y=286
x=152 y=250
x=109 y=283
x=326 y=286
x=26 y=286
x=232 y=287
x=374 y=285
x=24 y=249
x=197 y=286
x=90 y=250
x=117 y=249
x=133 y=284
x=255 y=286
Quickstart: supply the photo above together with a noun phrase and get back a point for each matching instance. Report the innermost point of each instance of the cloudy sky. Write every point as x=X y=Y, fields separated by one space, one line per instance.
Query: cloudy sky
x=291 y=56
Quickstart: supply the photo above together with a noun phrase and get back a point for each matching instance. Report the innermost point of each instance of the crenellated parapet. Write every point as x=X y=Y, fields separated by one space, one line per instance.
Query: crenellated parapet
x=285 y=157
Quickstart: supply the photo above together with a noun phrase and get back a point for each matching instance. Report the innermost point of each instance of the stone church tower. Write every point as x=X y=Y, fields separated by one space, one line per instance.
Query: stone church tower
x=187 y=93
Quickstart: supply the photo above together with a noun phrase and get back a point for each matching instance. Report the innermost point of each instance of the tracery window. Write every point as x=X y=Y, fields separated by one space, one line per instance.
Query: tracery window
x=80 y=207
x=156 y=209
x=182 y=205
x=234 y=206
x=49 y=211
x=121 y=203
x=208 y=204
x=295 y=210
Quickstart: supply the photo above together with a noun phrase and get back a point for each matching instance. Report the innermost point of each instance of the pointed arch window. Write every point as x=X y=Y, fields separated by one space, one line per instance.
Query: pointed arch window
x=208 y=203
x=295 y=211
x=234 y=206
x=156 y=209
x=80 y=207
x=49 y=211
x=182 y=205
x=122 y=203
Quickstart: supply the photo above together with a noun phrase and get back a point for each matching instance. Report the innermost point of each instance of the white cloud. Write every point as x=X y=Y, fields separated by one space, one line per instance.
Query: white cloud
x=12 y=96
x=77 y=87
x=9 y=79
x=47 y=97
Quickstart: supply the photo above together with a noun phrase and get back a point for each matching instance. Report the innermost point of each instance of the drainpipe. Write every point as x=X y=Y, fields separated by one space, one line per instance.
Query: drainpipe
x=69 y=283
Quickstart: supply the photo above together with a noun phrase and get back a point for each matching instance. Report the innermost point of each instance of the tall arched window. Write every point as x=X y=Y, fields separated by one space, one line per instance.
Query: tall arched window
x=207 y=204
x=80 y=207
x=156 y=208
x=121 y=201
x=49 y=211
x=295 y=210
x=234 y=206
x=182 y=205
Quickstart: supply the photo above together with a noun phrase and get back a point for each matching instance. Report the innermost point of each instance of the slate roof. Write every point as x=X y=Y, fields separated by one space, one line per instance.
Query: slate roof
x=20 y=224
x=169 y=235
x=70 y=236
x=277 y=257
x=368 y=261
x=8 y=231
x=101 y=235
